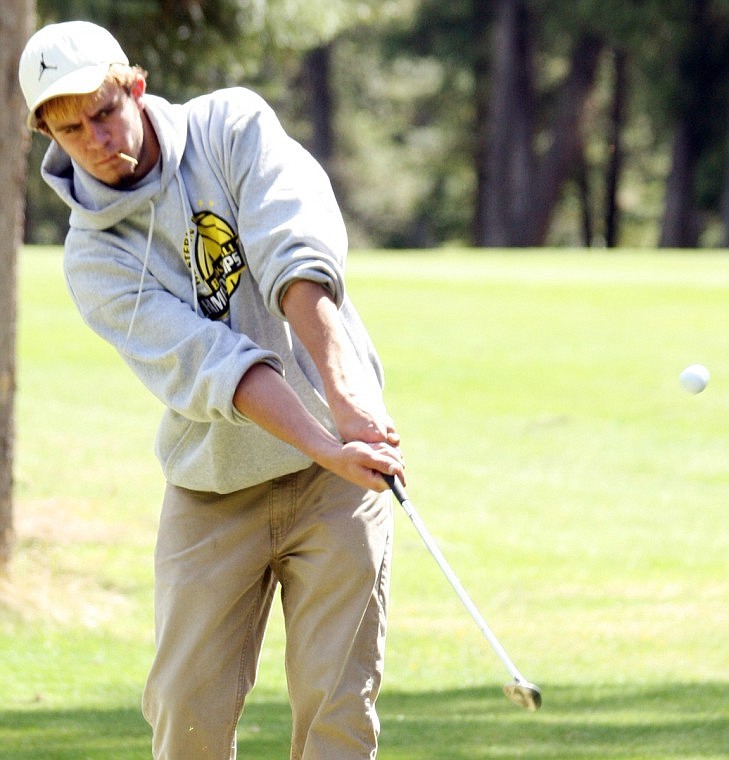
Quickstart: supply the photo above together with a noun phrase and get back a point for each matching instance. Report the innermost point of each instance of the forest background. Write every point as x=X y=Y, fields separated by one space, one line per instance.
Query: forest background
x=501 y=123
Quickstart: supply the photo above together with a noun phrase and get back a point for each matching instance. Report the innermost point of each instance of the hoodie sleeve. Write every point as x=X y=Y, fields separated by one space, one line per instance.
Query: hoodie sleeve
x=190 y=363
x=289 y=222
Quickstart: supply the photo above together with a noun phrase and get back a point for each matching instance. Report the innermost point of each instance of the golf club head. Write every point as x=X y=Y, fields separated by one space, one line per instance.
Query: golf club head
x=524 y=694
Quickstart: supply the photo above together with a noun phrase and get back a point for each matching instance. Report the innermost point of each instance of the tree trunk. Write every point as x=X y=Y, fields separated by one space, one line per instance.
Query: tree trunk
x=615 y=146
x=680 y=228
x=566 y=148
x=15 y=27
x=582 y=180
x=725 y=201
x=696 y=76
x=317 y=65
x=517 y=191
x=481 y=81
x=506 y=158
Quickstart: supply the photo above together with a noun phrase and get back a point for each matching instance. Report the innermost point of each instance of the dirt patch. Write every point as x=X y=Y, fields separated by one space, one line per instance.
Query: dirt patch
x=63 y=523
x=46 y=581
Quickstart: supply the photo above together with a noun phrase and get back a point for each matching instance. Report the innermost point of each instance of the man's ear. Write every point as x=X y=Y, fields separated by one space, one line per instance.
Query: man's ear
x=138 y=88
x=42 y=129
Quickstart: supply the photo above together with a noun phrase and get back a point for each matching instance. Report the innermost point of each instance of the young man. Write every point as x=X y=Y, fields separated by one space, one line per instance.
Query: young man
x=207 y=247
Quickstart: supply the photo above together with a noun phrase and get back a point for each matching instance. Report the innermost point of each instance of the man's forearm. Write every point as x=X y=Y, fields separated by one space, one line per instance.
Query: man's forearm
x=314 y=318
x=265 y=398
x=352 y=392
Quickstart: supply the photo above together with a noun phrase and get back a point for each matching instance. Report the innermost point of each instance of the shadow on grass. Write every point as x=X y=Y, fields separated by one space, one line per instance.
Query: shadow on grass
x=82 y=733
x=587 y=722
x=576 y=723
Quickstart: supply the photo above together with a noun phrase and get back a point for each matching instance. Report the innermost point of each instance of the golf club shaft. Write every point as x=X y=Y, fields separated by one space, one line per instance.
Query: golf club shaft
x=401 y=495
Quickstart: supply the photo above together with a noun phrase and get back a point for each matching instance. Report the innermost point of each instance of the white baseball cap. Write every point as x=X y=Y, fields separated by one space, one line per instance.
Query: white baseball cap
x=70 y=58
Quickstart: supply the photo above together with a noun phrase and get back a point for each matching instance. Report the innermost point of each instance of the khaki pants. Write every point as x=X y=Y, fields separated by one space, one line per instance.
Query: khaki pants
x=218 y=562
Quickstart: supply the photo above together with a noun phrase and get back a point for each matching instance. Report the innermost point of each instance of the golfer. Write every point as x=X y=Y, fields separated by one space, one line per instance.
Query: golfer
x=206 y=246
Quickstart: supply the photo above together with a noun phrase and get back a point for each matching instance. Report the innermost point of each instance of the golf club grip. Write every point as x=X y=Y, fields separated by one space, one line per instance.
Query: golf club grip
x=396 y=487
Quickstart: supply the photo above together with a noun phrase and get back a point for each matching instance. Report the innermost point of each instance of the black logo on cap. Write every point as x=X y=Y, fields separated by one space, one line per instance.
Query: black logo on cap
x=43 y=67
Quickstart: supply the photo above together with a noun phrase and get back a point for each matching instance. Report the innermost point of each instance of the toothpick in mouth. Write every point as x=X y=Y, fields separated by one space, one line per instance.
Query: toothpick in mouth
x=130 y=159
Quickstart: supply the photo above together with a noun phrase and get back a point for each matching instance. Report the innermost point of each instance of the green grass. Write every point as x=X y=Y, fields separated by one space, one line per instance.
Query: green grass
x=578 y=492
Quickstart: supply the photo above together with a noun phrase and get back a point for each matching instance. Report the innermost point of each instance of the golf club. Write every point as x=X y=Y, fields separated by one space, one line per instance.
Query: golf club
x=520 y=691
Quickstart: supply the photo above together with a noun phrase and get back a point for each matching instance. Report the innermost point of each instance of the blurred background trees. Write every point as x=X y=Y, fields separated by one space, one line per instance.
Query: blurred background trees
x=477 y=122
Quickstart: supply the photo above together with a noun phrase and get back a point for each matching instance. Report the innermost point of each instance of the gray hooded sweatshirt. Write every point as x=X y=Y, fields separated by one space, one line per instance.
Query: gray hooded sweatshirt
x=184 y=275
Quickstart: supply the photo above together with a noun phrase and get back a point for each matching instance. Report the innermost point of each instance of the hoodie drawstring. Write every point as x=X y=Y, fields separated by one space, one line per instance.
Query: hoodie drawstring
x=187 y=214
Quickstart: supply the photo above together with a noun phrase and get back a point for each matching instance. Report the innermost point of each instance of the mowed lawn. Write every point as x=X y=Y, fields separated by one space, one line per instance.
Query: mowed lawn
x=578 y=492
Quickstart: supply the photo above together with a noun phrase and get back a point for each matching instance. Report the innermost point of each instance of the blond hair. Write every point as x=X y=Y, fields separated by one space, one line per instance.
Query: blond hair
x=65 y=106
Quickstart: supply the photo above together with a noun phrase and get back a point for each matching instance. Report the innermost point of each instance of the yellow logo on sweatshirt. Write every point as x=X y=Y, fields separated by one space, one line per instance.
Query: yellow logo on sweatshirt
x=218 y=260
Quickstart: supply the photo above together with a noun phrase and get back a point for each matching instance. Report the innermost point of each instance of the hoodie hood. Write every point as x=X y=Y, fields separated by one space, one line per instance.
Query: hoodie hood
x=96 y=206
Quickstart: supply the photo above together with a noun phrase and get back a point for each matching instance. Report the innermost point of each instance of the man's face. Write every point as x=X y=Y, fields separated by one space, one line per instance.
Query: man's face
x=97 y=127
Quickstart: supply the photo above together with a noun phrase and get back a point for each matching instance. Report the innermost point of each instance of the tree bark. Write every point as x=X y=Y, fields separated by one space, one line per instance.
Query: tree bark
x=15 y=27
x=506 y=157
x=317 y=65
x=582 y=180
x=615 y=147
x=518 y=191
x=481 y=80
x=725 y=201
x=565 y=150
x=680 y=228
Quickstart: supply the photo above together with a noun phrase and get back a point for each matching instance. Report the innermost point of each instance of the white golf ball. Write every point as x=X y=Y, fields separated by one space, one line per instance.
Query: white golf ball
x=694 y=378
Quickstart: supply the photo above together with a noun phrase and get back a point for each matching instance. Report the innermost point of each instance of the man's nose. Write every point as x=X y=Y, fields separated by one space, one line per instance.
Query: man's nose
x=97 y=135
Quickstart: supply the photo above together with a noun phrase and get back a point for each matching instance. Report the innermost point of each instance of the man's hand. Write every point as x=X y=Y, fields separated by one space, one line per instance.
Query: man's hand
x=353 y=415
x=365 y=463
x=268 y=400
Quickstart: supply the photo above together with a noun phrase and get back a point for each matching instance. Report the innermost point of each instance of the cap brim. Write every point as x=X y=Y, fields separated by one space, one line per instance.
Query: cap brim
x=79 y=82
